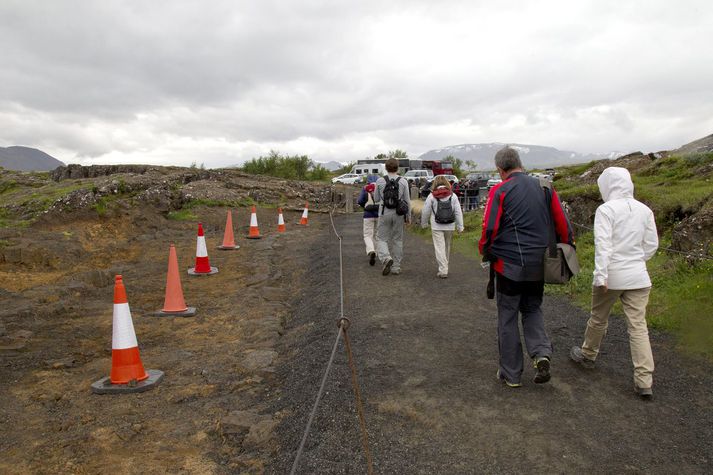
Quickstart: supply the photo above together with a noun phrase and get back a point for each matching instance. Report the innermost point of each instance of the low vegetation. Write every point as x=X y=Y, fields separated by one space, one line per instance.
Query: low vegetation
x=296 y=167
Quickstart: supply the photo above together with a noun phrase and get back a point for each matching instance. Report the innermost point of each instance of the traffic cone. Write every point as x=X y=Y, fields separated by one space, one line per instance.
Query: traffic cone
x=228 y=238
x=202 y=263
x=127 y=370
x=174 y=305
x=254 y=231
x=280 y=221
x=305 y=213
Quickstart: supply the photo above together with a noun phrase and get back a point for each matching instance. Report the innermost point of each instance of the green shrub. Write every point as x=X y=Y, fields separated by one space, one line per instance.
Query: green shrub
x=296 y=167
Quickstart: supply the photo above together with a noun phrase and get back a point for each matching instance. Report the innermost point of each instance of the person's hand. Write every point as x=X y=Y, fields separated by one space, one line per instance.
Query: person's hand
x=602 y=288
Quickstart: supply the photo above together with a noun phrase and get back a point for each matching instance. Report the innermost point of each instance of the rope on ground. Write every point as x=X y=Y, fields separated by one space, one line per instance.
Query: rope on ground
x=343 y=324
x=693 y=255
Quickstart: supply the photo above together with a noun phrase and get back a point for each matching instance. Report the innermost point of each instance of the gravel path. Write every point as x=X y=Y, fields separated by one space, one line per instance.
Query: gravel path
x=426 y=354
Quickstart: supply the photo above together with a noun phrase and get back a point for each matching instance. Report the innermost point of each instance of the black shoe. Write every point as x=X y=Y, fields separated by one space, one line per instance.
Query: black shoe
x=542 y=363
x=372 y=258
x=387 y=267
x=645 y=393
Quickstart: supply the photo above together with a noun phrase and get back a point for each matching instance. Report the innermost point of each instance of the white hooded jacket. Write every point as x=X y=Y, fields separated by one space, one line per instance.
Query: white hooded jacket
x=624 y=234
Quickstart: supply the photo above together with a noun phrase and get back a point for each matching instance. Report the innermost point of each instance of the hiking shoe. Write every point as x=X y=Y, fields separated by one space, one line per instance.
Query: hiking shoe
x=442 y=276
x=542 y=363
x=506 y=382
x=387 y=267
x=575 y=354
x=372 y=258
x=645 y=393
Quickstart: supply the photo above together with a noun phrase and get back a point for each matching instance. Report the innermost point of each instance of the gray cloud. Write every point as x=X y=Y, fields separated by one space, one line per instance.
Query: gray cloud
x=226 y=80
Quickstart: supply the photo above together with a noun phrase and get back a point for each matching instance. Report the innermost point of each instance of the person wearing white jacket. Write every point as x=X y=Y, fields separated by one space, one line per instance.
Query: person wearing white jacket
x=442 y=233
x=624 y=239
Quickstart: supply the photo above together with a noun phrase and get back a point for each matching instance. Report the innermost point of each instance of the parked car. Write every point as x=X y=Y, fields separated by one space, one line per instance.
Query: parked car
x=415 y=175
x=494 y=181
x=348 y=179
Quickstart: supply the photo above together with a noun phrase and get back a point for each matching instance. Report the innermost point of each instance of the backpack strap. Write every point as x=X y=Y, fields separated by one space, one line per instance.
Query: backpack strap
x=552 y=242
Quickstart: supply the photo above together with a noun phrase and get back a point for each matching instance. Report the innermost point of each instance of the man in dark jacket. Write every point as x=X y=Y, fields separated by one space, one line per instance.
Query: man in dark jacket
x=516 y=228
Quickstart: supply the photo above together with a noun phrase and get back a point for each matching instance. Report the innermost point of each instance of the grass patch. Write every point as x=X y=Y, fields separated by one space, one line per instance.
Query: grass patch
x=182 y=215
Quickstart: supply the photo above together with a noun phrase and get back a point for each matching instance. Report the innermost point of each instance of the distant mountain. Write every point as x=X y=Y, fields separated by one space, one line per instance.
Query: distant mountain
x=27 y=159
x=331 y=166
x=697 y=146
x=532 y=156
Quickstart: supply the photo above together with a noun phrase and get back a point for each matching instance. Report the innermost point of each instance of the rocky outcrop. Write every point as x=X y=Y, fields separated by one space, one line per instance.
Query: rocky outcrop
x=694 y=234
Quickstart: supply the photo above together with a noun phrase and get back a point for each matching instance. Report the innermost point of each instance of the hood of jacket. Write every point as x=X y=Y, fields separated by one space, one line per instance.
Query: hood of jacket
x=441 y=192
x=372 y=178
x=615 y=183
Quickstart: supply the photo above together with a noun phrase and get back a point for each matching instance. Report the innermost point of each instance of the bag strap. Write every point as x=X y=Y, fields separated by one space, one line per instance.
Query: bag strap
x=552 y=244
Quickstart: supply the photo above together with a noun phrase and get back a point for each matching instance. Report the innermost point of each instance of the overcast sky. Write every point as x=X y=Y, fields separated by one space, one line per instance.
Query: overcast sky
x=220 y=82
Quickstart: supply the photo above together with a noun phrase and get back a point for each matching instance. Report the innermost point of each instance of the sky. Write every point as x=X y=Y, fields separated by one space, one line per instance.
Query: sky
x=221 y=82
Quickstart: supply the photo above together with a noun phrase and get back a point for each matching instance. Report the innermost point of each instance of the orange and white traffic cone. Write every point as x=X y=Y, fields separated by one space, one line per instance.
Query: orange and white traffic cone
x=280 y=221
x=202 y=262
x=228 y=238
x=174 y=305
x=254 y=232
x=127 y=370
x=305 y=214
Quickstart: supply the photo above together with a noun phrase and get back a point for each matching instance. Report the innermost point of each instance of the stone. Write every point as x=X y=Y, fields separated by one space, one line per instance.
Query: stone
x=259 y=359
x=261 y=433
x=239 y=422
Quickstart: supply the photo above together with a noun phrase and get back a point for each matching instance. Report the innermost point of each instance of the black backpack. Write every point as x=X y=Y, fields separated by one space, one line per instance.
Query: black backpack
x=391 y=192
x=444 y=214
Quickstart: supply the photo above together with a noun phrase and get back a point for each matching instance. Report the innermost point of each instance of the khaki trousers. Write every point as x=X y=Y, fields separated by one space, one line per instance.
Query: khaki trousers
x=370 y=234
x=634 y=303
x=442 y=248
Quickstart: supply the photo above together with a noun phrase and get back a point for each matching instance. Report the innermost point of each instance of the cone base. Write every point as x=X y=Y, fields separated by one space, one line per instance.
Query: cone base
x=228 y=248
x=192 y=271
x=254 y=237
x=105 y=386
x=189 y=312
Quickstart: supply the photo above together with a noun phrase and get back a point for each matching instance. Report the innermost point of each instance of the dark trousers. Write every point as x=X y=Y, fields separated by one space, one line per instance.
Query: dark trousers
x=524 y=298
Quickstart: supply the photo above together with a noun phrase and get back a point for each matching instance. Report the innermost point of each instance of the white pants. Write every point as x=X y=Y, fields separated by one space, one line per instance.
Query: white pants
x=442 y=246
x=370 y=234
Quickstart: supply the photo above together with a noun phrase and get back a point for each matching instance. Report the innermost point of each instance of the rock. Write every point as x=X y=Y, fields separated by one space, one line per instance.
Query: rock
x=261 y=433
x=239 y=422
x=693 y=234
x=259 y=359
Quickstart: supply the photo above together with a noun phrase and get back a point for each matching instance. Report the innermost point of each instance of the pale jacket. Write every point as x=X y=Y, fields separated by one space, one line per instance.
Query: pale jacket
x=624 y=234
x=427 y=214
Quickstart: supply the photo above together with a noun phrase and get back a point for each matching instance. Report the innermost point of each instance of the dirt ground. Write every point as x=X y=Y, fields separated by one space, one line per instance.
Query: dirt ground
x=426 y=351
x=242 y=375
x=208 y=415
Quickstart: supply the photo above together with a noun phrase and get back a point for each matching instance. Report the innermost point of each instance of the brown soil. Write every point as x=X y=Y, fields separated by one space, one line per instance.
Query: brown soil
x=55 y=340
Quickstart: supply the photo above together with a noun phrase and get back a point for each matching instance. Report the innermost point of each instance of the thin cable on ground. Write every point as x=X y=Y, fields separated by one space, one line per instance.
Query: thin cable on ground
x=316 y=404
x=360 y=409
x=343 y=325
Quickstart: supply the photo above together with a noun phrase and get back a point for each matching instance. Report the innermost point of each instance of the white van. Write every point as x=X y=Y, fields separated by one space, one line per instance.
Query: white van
x=369 y=169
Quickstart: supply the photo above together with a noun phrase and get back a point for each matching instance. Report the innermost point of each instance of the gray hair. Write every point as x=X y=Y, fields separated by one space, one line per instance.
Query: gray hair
x=507 y=159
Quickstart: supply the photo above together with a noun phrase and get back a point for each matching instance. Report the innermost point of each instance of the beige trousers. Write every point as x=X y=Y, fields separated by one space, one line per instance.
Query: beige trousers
x=634 y=303
x=442 y=247
x=370 y=234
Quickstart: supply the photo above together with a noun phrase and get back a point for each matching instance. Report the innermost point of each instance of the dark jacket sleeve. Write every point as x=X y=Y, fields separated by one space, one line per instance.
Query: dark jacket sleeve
x=563 y=227
x=491 y=220
x=361 y=201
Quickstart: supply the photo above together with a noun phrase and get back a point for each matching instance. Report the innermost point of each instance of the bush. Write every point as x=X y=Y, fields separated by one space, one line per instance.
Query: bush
x=296 y=167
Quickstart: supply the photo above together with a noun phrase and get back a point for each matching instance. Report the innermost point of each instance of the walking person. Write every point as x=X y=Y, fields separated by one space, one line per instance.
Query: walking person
x=391 y=194
x=624 y=239
x=443 y=212
x=371 y=216
x=515 y=235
